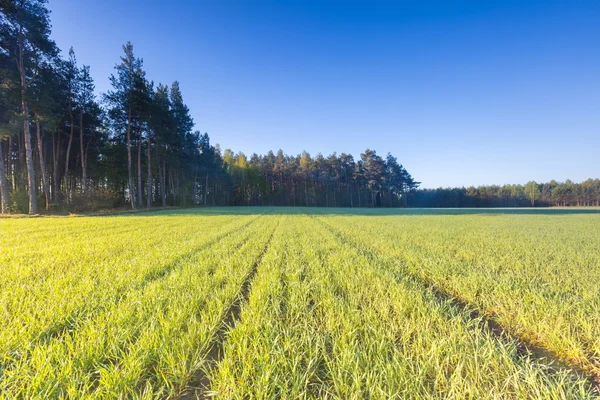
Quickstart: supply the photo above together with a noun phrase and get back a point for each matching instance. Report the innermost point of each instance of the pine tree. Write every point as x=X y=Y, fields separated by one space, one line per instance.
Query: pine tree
x=25 y=34
x=122 y=100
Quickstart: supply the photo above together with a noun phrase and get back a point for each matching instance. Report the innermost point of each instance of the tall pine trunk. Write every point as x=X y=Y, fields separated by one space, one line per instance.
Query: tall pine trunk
x=45 y=185
x=350 y=196
x=157 y=189
x=28 y=155
x=195 y=190
x=374 y=198
x=305 y=194
x=163 y=183
x=11 y=163
x=83 y=155
x=3 y=184
x=55 y=167
x=129 y=164
x=68 y=156
x=139 y=170
x=26 y=132
x=149 y=175
x=206 y=189
x=175 y=179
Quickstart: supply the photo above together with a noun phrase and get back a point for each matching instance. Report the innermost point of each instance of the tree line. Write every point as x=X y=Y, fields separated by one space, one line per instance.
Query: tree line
x=63 y=147
x=302 y=180
x=533 y=194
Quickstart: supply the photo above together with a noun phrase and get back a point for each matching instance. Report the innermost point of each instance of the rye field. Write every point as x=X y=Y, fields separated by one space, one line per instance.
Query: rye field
x=290 y=303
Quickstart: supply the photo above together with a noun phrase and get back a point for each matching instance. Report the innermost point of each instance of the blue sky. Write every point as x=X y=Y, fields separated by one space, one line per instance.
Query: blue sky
x=463 y=93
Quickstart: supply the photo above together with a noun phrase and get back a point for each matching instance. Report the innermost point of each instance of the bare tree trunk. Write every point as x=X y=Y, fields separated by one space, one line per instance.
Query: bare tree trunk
x=149 y=175
x=206 y=189
x=350 y=196
x=29 y=158
x=26 y=133
x=54 y=198
x=195 y=190
x=176 y=192
x=22 y=165
x=83 y=155
x=129 y=166
x=3 y=184
x=305 y=194
x=157 y=182
x=55 y=170
x=68 y=156
x=333 y=197
x=30 y=168
x=157 y=185
x=172 y=186
x=45 y=185
x=163 y=183
x=11 y=164
x=160 y=182
x=139 y=170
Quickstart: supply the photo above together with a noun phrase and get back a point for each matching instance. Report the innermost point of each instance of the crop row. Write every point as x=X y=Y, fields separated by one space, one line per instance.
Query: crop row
x=536 y=276
x=325 y=320
x=151 y=332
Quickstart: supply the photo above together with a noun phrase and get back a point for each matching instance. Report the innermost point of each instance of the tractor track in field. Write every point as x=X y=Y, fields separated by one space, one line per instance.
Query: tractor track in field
x=486 y=322
x=210 y=272
x=238 y=246
x=200 y=383
x=68 y=325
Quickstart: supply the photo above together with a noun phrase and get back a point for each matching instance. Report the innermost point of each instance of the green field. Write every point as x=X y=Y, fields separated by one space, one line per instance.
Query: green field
x=261 y=303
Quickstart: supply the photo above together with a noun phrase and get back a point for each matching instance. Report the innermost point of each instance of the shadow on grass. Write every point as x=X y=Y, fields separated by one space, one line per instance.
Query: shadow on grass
x=217 y=211
x=274 y=210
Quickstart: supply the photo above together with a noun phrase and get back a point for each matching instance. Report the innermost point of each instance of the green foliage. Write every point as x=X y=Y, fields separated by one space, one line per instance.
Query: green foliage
x=18 y=202
x=98 y=200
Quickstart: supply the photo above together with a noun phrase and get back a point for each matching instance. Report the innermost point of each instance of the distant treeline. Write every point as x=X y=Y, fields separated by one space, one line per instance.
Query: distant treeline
x=533 y=194
x=333 y=181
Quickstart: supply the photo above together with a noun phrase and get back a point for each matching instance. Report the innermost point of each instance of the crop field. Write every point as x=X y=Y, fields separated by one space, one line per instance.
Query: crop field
x=294 y=303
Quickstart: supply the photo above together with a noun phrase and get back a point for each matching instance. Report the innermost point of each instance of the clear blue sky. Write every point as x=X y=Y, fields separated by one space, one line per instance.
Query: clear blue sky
x=463 y=93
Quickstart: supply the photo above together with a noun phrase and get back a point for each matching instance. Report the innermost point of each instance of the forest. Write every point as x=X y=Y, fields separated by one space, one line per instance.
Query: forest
x=63 y=147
